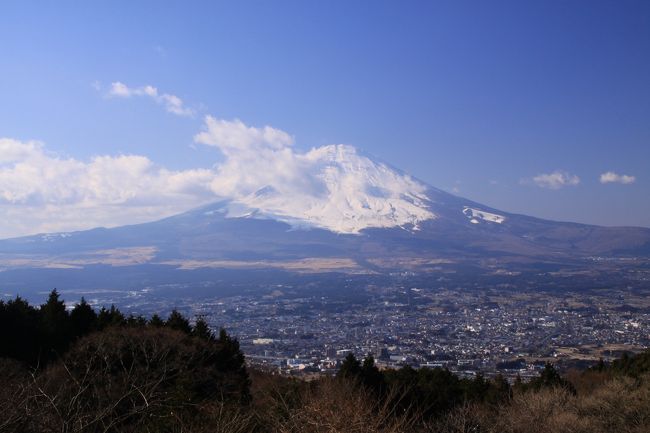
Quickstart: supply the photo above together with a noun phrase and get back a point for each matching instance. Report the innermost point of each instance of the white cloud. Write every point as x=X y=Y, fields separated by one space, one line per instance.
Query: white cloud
x=330 y=186
x=42 y=192
x=255 y=157
x=556 y=180
x=121 y=90
x=234 y=135
x=172 y=103
x=611 y=177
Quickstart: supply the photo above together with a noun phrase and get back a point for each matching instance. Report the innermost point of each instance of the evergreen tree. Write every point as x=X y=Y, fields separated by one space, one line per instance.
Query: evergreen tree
x=136 y=321
x=350 y=368
x=20 y=335
x=371 y=377
x=110 y=317
x=631 y=365
x=229 y=357
x=83 y=319
x=55 y=325
x=499 y=391
x=202 y=330
x=365 y=373
x=476 y=389
x=156 y=321
x=178 y=322
x=550 y=378
x=429 y=391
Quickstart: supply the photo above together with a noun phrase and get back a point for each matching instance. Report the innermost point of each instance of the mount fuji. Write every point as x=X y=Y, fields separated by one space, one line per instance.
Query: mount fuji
x=333 y=209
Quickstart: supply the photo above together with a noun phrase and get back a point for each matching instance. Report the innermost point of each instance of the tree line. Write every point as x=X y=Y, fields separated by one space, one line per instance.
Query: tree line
x=84 y=370
x=36 y=336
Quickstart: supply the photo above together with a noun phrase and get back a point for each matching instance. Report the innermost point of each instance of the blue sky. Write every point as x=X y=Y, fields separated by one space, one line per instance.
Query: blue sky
x=483 y=99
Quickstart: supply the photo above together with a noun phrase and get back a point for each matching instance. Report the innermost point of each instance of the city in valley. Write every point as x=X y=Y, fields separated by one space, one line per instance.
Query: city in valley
x=491 y=320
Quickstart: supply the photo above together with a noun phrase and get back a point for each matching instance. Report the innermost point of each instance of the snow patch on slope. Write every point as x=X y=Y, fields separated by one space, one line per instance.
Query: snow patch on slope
x=51 y=237
x=475 y=215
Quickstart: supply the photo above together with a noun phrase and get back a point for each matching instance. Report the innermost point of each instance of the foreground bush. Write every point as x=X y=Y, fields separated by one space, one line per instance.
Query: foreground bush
x=133 y=379
x=14 y=389
x=621 y=405
x=343 y=406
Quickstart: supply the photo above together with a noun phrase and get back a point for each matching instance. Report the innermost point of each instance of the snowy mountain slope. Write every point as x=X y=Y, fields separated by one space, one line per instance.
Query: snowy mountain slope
x=345 y=207
x=342 y=191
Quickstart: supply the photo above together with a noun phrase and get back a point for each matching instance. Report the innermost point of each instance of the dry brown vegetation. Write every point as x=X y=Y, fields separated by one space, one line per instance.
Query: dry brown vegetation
x=87 y=372
x=619 y=404
x=341 y=406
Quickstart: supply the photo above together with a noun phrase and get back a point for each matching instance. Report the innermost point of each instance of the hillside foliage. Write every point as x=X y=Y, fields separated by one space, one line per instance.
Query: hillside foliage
x=81 y=370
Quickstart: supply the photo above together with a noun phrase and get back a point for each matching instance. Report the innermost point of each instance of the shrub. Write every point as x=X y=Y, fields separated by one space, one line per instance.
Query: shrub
x=137 y=379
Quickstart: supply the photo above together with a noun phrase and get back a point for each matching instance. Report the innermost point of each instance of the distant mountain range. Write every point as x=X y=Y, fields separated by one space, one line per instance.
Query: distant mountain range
x=349 y=213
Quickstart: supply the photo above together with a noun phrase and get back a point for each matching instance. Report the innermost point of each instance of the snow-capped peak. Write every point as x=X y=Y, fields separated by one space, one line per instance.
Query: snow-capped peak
x=333 y=187
x=341 y=190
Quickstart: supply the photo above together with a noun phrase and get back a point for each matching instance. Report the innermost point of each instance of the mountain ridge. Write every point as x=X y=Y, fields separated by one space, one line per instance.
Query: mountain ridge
x=209 y=233
x=348 y=208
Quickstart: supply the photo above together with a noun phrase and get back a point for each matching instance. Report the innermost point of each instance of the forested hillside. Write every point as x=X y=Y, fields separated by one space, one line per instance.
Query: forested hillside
x=82 y=370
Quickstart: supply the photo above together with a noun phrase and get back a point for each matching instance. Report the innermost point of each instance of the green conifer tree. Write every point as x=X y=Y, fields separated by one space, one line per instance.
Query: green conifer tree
x=178 y=322
x=55 y=326
x=202 y=330
x=83 y=318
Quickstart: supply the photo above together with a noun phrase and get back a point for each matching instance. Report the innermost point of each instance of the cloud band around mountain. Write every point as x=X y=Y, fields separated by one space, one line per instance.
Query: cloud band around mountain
x=330 y=186
x=43 y=192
